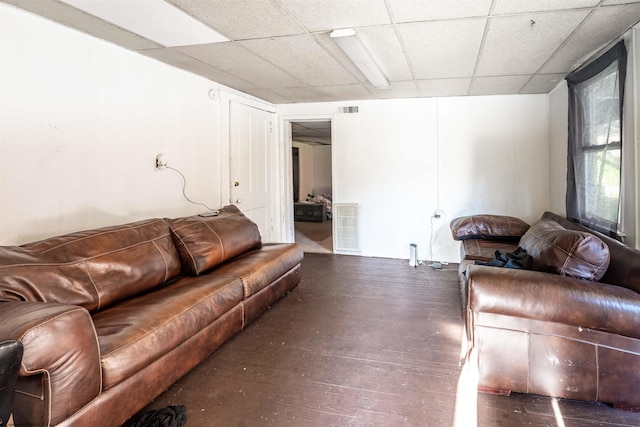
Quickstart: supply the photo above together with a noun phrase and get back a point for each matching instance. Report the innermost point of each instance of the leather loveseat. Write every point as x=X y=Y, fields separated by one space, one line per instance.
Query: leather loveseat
x=569 y=327
x=110 y=317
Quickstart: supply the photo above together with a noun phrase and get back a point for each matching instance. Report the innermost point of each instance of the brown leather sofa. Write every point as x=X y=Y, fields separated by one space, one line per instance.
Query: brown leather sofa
x=109 y=318
x=545 y=331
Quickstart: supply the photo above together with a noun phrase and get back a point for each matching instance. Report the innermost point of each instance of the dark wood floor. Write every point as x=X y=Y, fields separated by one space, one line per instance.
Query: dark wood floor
x=361 y=342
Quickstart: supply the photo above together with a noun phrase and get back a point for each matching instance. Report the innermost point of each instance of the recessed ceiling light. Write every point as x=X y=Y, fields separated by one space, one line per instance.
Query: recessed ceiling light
x=155 y=20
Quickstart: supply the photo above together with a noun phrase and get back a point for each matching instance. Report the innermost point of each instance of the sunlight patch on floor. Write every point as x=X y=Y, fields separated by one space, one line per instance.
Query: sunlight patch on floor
x=557 y=413
x=466 y=406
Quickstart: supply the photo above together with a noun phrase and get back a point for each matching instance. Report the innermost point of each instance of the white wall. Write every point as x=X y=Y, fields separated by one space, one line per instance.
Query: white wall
x=402 y=159
x=315 y=169
x=558 y=145
x=306 y=169
x=321 y=169
x=81 y=123
x=81 y=126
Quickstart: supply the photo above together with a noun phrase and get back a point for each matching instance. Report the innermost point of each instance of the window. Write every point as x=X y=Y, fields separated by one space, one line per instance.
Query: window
x=595 y=142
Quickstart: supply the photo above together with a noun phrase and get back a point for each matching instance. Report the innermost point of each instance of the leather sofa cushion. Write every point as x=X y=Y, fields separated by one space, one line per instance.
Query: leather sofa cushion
x=572 y=253
x=488 y=227
x=258 y=269
x=204 y=242
x=483 y=250
x=92 y=268
x=141 y=330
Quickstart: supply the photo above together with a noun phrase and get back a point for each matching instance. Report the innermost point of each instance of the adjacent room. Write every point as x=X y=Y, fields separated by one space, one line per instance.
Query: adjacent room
x=319 y=213
x=311 y=172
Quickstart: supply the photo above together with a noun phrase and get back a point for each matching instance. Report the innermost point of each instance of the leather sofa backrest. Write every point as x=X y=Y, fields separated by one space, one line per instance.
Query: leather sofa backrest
x=93 y=268
x=204 y=242
x=624 y=263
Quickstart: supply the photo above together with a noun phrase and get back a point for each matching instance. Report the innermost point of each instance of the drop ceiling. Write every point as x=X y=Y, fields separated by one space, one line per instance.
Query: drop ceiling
x=280 y=50
x=312 y=133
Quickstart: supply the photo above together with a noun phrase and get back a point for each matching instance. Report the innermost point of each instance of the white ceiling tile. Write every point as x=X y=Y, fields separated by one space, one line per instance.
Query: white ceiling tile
x=153 y=19
x=520 y=44
x=520 y=6
x=267 y=95
x=236 y=60
x=326 y=15
x=242 y=19
x=406 y=89
x=601 y=29
x=432 y=48
x=185 y=62
x=302 y=57
x=354 y=91
x=612 y=2
x=79 y=20
x=421 y=10
x=542 y=83
x=443 y=49
x=302 y=94
x=443 y=87
x=384 y=46
x=500 y=85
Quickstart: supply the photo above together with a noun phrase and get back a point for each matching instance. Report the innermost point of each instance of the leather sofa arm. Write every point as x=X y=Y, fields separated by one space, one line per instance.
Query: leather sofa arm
x=553 y=298
x=60 y=342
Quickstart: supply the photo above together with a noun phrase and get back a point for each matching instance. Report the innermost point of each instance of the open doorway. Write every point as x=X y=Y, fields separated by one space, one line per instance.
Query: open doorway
x=312 y=186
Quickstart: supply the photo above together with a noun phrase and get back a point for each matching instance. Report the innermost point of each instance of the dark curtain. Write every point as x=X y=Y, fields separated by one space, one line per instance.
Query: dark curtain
x=596 y=94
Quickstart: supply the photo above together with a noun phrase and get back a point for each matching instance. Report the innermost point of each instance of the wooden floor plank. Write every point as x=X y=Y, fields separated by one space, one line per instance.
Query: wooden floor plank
x=361 y=342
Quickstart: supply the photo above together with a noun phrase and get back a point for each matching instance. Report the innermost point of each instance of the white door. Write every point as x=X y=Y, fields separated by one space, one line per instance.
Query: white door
x=250 y=146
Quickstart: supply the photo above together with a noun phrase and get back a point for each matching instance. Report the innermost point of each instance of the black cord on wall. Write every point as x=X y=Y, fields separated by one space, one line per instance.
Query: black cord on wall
x=184 y=188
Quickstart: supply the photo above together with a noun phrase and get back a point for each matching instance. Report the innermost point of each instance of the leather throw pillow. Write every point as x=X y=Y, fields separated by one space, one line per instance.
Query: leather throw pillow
x=204 y=242
x=572 y=253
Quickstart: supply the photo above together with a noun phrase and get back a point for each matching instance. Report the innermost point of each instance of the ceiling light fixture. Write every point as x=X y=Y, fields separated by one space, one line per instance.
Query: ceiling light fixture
x=351 y=44
x=155 y=20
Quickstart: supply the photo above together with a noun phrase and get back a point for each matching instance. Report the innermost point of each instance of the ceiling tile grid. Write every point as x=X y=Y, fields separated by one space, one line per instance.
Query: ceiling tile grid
x=420 y=10
x=315 y=67
x=327 y=15
x=444 y=87
x=281 y=51
x=497 y=85
x=505 y=7
x=521 y=44
x=602 y=28
x=443 y=49
x=242 y=19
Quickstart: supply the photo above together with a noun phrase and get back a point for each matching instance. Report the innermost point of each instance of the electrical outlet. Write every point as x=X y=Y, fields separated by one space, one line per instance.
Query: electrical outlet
x=161 y=161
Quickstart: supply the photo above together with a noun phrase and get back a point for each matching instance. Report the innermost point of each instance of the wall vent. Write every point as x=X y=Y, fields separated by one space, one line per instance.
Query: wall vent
x=345 y=223
x=348 y=110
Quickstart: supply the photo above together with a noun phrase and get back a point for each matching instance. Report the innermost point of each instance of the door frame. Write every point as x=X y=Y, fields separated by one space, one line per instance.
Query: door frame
x=286 y=168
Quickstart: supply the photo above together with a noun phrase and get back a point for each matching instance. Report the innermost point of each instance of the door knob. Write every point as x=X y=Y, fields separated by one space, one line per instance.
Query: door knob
x=236 y=184
x=239 y=201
